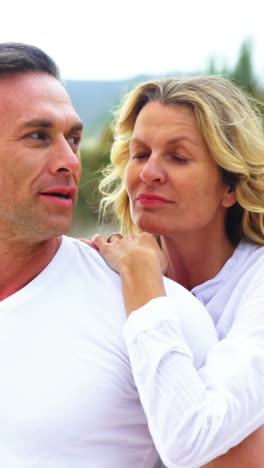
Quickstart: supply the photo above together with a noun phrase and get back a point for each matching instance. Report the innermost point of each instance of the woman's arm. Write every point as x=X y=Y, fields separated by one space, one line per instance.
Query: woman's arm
x=195 y=416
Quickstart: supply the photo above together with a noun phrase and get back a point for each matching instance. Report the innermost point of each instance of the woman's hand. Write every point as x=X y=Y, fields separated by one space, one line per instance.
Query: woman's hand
x=130 y=252
x=87 y=241
x=139 y=261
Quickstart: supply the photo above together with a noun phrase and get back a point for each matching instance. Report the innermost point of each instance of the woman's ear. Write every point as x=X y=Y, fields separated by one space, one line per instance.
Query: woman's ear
x=229 y=198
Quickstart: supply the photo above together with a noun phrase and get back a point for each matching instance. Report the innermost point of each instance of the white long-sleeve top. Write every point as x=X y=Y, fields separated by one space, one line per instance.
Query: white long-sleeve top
x=196 y=415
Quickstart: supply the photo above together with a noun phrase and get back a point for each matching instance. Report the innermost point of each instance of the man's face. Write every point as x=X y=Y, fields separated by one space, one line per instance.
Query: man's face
x=39 y=157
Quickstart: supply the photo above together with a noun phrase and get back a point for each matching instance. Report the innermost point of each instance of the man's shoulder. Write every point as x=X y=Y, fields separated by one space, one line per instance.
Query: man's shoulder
x=75 y=245
x=82 y=256
x=84 y=272
x=70 y=245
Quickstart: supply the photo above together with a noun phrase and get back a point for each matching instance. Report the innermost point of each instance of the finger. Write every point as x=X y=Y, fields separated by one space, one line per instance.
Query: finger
x=114 y=236
x=86 y=241
x=99 y=241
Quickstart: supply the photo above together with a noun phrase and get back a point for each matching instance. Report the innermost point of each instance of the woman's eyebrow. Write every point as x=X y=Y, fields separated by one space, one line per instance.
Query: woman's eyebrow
x=174 y=140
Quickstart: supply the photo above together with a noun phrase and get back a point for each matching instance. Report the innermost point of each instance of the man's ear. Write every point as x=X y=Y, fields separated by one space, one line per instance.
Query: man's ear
x=229 y=198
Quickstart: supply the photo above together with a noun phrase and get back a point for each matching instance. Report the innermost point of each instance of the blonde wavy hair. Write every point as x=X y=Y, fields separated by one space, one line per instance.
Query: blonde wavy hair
x=232 y=125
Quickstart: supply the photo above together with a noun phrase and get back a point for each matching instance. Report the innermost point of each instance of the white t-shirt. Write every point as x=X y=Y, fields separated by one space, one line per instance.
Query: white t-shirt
x=67 y=394
x=196 y=415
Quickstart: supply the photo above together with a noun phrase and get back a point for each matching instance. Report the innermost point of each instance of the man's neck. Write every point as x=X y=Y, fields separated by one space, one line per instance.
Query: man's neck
x=21 y=263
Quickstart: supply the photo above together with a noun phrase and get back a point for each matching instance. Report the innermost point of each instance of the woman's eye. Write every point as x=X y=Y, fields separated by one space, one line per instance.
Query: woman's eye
x=140 y=156
x=181 y=159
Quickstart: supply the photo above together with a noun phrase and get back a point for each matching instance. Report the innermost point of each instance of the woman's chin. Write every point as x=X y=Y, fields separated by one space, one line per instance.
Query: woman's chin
x=149 y=221
x=152 y=227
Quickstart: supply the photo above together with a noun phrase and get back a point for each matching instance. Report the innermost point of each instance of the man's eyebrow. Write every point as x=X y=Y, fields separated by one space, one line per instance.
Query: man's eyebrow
x=76 y=127
x=43 y=123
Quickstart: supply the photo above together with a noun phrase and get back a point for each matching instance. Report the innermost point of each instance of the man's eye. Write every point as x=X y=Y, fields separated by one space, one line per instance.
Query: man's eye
x=74 y=140
x=37 y=135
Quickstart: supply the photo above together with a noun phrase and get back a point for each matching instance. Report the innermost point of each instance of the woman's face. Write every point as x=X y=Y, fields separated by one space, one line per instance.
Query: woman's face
x=173 y=183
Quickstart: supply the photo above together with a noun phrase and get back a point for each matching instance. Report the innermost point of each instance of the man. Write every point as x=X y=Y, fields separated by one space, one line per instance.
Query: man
x=67 y=396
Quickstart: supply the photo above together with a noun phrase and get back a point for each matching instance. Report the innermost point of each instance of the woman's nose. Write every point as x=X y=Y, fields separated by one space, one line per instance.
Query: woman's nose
x=153 y=172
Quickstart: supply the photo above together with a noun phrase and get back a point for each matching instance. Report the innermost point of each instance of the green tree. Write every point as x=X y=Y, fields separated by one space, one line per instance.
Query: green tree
x=243 y=73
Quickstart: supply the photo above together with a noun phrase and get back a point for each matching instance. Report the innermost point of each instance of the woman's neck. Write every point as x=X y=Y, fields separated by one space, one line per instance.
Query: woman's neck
x=194 y=261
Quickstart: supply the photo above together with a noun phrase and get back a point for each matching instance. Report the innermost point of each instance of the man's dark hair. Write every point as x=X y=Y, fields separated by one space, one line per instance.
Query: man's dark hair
x=16 y=57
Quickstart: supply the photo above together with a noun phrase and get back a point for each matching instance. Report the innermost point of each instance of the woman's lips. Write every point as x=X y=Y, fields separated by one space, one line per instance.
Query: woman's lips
x=151 y=199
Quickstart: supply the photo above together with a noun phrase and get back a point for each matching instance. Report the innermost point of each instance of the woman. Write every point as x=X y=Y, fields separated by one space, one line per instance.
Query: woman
x=189 y=158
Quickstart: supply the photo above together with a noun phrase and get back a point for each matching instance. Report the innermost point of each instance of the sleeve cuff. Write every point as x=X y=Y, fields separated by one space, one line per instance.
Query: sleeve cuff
x=150 y=315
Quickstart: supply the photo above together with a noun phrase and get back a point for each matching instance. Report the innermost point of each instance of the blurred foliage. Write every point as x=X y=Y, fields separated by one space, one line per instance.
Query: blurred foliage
x=96 y=156
x=242 y=74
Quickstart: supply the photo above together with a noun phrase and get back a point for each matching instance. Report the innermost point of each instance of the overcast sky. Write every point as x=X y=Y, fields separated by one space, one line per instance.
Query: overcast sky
x=111 y=39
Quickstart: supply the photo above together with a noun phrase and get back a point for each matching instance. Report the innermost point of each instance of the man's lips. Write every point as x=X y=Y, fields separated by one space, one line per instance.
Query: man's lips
x=60 y=192
x=60 y=196
x=152 y=198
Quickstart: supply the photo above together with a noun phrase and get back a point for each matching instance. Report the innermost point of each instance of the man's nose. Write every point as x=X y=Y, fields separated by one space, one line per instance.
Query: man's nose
x=65 y=159
x=153 y=171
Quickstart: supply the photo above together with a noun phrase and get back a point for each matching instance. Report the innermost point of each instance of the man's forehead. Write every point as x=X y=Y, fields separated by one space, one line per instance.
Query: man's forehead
x=33 y=84
x=35 y=95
